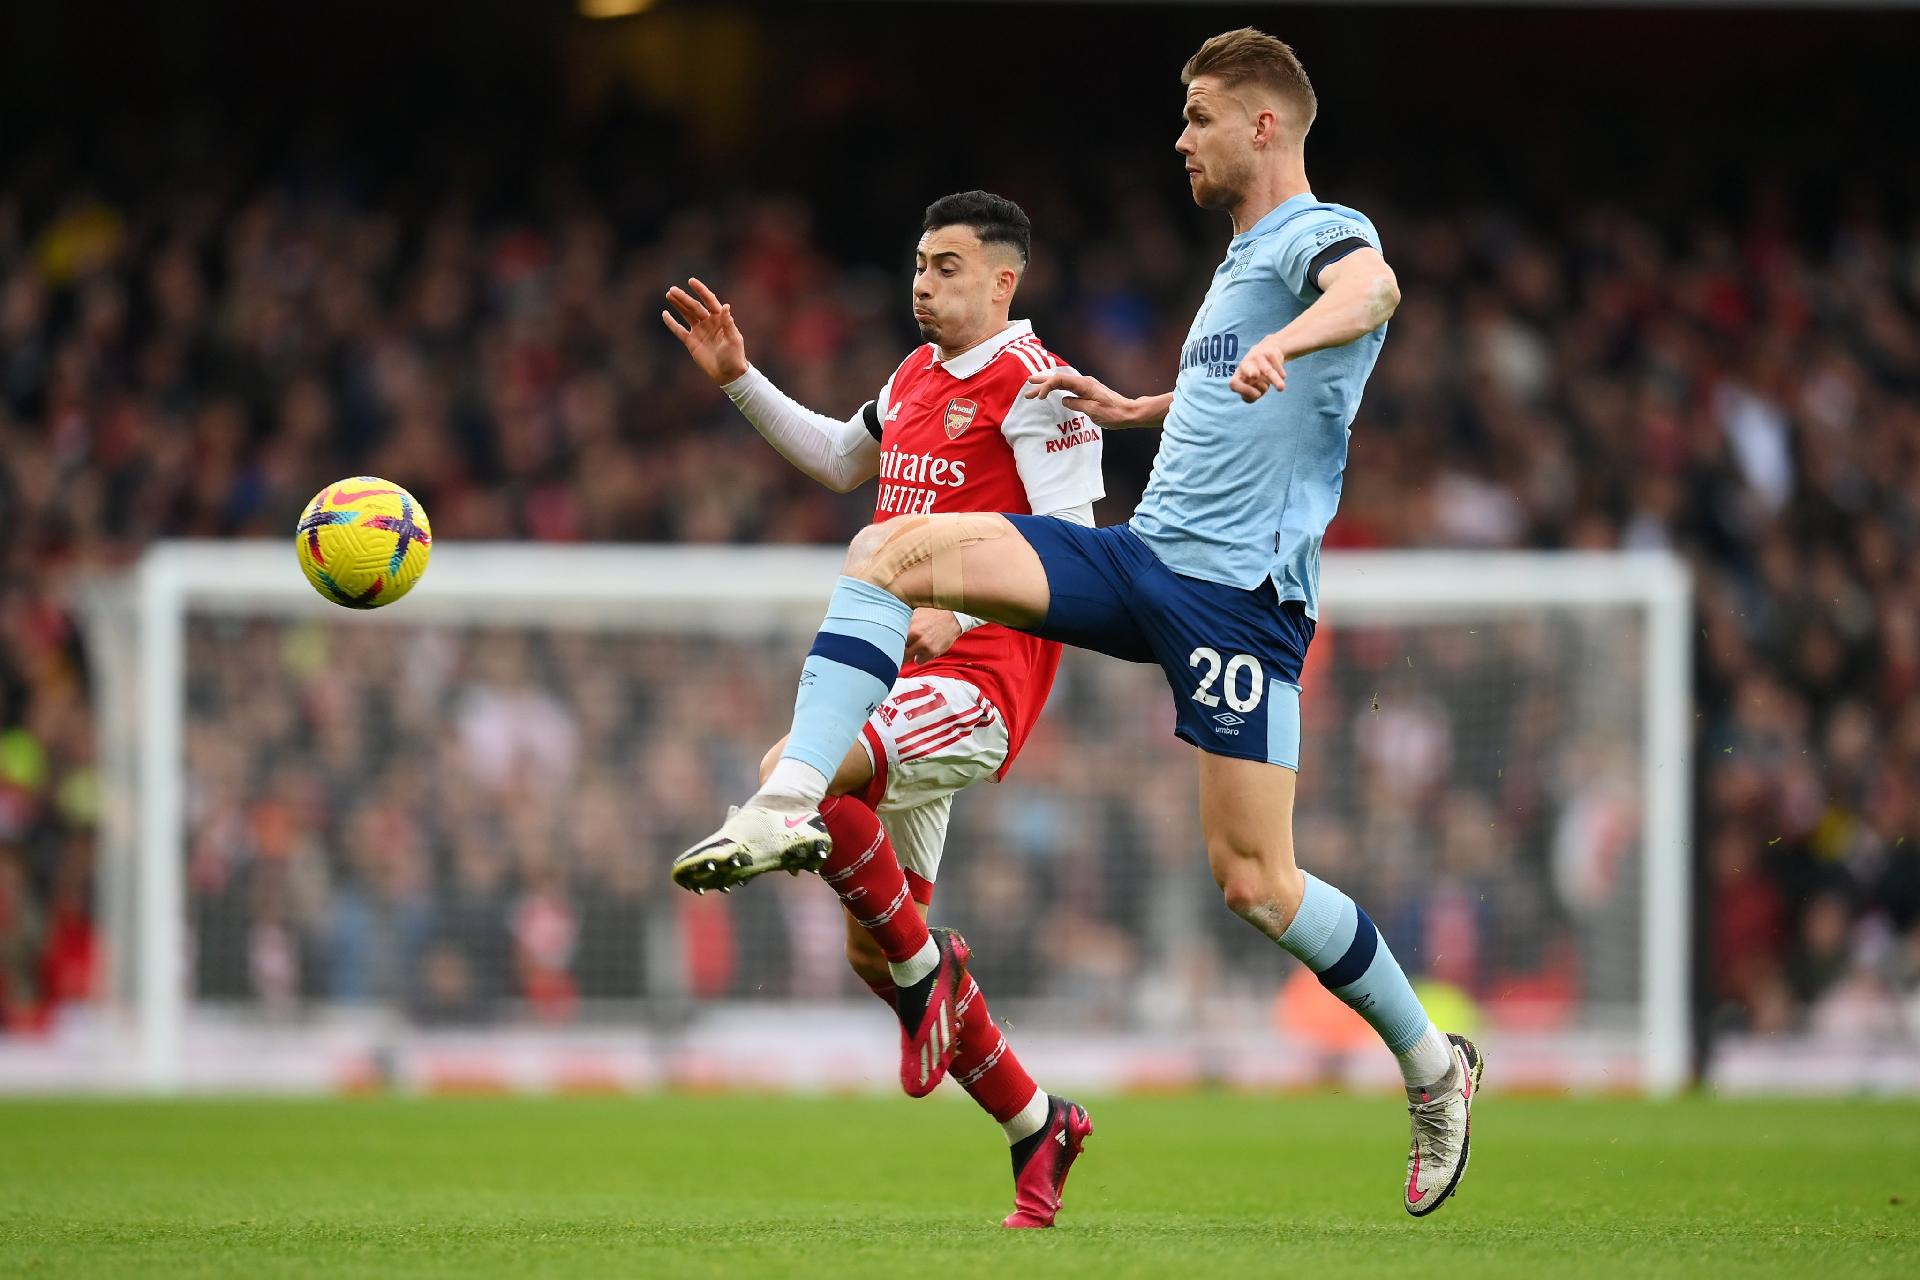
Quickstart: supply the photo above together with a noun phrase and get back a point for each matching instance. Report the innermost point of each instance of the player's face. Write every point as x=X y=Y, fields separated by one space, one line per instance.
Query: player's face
x=1217 y=144
x=956 y=281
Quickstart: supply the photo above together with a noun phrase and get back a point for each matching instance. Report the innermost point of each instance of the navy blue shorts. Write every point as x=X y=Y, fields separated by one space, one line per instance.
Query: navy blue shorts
x=1232 y=657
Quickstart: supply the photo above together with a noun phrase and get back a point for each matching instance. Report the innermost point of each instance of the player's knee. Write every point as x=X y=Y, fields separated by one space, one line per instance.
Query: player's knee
x=1251 y=897
x=868 y=961
x=1264 y=891
x=868 y=557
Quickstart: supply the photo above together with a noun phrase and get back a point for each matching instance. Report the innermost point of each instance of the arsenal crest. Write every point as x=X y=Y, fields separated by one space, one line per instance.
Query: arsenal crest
x=959 y=417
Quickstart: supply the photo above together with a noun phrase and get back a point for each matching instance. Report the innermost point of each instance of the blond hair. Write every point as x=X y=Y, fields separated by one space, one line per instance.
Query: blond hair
x=1253 y=57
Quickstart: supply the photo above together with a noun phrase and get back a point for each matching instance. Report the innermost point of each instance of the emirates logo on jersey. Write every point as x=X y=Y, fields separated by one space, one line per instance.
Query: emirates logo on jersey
x=960 y=415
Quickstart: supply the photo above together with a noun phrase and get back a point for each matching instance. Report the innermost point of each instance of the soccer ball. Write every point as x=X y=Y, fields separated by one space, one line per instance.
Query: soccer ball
x=363 y=542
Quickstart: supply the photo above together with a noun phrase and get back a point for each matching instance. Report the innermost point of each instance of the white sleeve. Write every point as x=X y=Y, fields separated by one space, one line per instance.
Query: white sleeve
x=1057 y=452
x=840 y=455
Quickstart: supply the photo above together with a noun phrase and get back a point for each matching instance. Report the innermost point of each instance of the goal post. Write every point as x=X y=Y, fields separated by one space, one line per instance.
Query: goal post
x=1557 y=685
x=1382 y=585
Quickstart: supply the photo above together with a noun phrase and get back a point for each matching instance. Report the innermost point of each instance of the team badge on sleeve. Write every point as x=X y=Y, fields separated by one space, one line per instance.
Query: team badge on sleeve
x=960 y=416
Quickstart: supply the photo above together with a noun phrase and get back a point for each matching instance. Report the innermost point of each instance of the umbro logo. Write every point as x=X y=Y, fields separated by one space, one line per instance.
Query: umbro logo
x=1229 y=719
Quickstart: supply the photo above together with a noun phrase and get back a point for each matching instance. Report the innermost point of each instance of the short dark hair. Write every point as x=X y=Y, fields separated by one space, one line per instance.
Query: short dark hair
x=995 y=219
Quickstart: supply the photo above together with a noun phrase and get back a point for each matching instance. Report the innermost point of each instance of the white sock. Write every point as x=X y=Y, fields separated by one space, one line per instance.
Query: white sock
x=916 y=966
x=1031 y=1118
x=1428 y=1060
x=793 y=784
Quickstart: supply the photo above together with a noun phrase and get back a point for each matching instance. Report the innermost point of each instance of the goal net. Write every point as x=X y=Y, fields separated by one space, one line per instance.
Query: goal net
x=427 y=846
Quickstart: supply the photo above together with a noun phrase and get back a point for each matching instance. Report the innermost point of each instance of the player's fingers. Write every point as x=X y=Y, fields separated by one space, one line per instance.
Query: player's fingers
x=706 y=295
x=679 y=330
x=1045 y=384
x=690 y=307
x=1079 y=405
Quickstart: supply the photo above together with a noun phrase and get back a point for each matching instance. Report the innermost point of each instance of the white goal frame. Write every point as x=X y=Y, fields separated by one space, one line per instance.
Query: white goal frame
x=757 y=586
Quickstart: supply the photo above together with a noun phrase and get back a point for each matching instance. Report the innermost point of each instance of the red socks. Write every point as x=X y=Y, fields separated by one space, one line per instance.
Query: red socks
x=985 y=1064
x=863 y=870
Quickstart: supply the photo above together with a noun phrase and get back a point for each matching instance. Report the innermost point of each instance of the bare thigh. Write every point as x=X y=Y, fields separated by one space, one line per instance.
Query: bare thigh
x=978 y=564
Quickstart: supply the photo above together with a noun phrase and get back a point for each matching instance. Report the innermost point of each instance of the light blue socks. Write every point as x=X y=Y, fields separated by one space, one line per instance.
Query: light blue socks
x=849 y=671
x=1334 y=938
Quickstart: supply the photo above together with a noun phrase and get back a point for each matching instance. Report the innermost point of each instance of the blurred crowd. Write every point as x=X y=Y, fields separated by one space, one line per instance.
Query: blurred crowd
x=470 y=822
x=1742 y=389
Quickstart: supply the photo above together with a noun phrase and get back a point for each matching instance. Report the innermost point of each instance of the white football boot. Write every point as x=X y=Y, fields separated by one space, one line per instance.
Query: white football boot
x=1442 y=1131
x=751 y=842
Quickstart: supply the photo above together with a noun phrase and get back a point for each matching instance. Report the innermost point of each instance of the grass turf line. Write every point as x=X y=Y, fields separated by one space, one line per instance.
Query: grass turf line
x=881 y=1187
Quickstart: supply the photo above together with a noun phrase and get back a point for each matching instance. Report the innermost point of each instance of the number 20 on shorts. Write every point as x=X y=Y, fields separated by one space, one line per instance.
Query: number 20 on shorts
x=1228 y=675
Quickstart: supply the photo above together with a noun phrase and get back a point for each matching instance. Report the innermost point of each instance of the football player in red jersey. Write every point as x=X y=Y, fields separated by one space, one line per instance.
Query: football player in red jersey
x=950 y=431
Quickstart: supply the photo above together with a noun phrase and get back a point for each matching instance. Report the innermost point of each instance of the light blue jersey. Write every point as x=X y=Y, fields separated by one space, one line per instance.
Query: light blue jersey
x=1243 y=492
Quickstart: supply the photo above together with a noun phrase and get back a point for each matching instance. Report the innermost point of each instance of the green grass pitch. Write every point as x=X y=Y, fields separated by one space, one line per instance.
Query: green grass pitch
x=1204 y=1185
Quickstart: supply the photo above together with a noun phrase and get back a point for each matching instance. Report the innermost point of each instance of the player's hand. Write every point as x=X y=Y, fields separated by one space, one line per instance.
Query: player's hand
x=709 y=334
x=1092 y=397
x=1264 y=369
x=930 y=634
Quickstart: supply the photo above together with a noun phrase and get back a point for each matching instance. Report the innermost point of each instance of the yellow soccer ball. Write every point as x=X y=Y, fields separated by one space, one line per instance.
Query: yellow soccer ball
x=363 y=542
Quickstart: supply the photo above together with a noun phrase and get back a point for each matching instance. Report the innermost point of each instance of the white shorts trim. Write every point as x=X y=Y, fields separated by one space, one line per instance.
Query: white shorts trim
x=940 y=735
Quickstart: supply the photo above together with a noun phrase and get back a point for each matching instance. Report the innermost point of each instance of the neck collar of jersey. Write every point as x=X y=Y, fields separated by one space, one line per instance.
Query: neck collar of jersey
x=1273 y=218
x=974 y=359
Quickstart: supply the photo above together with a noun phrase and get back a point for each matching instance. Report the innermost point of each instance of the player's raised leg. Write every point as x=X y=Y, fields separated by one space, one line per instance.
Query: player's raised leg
x=1246 y=809
x=977 y=563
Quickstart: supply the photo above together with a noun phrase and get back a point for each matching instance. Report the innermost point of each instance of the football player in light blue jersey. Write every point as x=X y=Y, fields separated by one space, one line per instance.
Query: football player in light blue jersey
x=1216 y=577
x=1245 y=483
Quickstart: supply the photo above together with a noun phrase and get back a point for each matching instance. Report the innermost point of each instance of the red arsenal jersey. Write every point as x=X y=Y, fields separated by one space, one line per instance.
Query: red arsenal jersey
x=957 y=435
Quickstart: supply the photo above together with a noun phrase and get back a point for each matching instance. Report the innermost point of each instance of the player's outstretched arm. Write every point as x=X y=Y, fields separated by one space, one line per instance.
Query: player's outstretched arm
x=1100 y=402
x=840 y=455
x=1358 y=294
